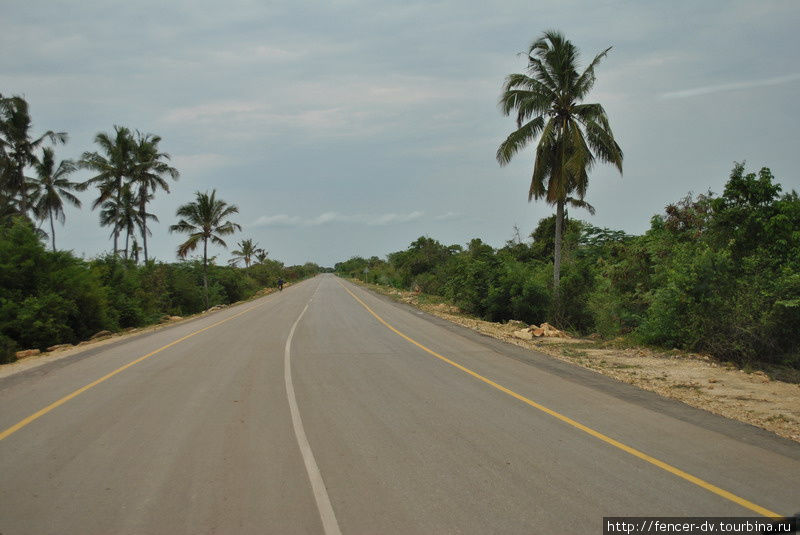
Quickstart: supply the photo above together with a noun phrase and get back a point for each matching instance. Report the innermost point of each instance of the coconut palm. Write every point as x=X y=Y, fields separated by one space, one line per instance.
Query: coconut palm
x=114 y=166
x=261 y=256
x=52 y=188
x=150 y=171
x=572 y=135
x=204 y=219
x=19 y=149
x=247 y=250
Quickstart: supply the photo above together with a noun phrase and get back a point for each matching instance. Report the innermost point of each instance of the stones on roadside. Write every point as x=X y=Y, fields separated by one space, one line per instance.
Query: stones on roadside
x=544 y=330
x=27 y=353
x=101 y=334
x=58 y=347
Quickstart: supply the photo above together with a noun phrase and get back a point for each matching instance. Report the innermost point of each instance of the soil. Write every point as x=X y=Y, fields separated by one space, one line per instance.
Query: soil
x=768 y=398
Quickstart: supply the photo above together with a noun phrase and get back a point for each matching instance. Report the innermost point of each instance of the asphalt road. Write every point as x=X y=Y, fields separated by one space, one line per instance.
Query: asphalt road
x=424 y=427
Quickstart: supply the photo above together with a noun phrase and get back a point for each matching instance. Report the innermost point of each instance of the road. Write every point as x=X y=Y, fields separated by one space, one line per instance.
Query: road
x=388 y=421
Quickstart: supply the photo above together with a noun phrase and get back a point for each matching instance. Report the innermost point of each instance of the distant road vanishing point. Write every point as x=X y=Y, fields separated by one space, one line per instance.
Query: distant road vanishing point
x=328 y=409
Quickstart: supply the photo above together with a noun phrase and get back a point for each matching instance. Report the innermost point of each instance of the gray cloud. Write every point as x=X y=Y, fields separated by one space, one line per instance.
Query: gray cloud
x=748 y=84
x=313 y=116
x=284 y=220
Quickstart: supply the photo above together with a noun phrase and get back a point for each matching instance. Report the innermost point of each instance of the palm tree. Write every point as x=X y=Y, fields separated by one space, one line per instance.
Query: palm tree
x=572 y=135
x=18 y=149
x=149 y=173
x=261 y=256
x=53 y=187
x=113 y=168
x=204 y=219
x=247 y=250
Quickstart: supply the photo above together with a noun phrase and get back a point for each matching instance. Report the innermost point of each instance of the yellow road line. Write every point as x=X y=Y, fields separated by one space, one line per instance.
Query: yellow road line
x=38 y=414
x=617 y=444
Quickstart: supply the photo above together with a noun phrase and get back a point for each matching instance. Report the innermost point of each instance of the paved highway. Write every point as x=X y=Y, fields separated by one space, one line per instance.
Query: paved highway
x=327 y=409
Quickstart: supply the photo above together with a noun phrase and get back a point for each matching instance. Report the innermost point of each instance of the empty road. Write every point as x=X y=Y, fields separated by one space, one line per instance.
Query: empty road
x=327 y=409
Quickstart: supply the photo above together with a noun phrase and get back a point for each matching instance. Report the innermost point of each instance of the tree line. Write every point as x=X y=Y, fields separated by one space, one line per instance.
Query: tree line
x=718 y=274
x=53 y=297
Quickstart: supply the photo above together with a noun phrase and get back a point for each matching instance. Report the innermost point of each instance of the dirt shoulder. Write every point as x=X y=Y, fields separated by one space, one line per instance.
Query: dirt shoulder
x=759 y=398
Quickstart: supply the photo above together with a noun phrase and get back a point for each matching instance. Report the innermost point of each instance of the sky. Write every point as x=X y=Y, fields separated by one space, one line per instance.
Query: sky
x=346 y=128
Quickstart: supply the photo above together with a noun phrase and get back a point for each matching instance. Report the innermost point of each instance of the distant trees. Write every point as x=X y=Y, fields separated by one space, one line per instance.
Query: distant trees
x=150 y=171
x=718 y=274
x=247 y=250
x=129 y=169
x=204 y=220
x=52 y=187
x=572 y=135
x=18 y=150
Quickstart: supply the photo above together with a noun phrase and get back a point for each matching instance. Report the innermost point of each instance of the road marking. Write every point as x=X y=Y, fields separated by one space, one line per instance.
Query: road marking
x=38 y=414
x=617 y=444
x=329 y=523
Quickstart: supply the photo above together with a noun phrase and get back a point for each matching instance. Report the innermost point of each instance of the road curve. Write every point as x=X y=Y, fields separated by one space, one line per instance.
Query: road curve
x=413 y=424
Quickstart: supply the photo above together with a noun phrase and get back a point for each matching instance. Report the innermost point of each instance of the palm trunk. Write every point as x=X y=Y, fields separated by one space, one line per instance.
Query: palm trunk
x=205 y=268
x=23 y=197
x=142 y=212
x=557 y=251
x=127 y=237
x=116 y=215
x=52 y=230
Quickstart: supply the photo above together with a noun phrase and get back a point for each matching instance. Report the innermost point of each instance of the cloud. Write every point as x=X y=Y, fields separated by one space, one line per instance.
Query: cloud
x=448 y=216
x=706 y=90
x=191 y=163
x=372 y=220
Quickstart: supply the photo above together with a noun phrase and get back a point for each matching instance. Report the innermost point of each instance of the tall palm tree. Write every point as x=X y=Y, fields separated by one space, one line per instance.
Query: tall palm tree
x=247 y=250
x=204 y=219
x=150 y=171
x=53 y=187
x=19 y=149
x=572 y=135
x=113 y=168
x=261 y=256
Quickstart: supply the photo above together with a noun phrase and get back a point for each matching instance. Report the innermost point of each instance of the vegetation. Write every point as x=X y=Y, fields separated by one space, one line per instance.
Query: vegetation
x=49 y=298
x=53 y=297
x=572 y=135
x=715 y=274
x=204 y=219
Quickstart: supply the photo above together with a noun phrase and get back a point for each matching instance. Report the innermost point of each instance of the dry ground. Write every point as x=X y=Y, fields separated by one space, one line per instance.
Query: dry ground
x=768 y=398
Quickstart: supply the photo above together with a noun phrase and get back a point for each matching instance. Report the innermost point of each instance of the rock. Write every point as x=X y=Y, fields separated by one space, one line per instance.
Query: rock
x=523 y=334
x=58 y=346
x=518 y=324
x=27 y=353
x=175 y=318
x=101 y=334
x=551 y=331
x=537 y=331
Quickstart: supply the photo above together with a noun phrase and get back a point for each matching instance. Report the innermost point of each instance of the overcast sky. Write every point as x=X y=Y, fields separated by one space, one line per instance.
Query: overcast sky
x=352 y=128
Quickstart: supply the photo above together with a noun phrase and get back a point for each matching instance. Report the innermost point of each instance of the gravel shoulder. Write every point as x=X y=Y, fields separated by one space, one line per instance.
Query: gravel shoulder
x=769 y=398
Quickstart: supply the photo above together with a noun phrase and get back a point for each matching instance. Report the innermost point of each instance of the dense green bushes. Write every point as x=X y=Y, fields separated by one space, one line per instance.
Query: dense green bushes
x=718 y=274
x=49 y=298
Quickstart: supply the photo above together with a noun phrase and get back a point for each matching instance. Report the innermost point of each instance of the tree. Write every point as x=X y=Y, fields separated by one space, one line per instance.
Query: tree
x=204 y=219
x=149 y=172
x=572 y=135
x=120 y=213
x=18 y=150
x=247 y=250
x=261 y=256
x=52 y=187
x=114 y=167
